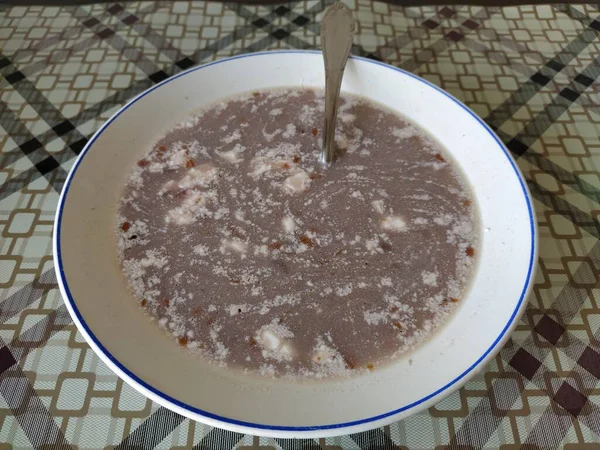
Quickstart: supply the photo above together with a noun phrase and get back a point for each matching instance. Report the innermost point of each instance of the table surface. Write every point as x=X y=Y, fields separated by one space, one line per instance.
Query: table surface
x=530 y=72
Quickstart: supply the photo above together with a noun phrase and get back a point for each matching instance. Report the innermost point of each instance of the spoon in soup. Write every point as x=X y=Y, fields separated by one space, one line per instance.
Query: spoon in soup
x=337 y=32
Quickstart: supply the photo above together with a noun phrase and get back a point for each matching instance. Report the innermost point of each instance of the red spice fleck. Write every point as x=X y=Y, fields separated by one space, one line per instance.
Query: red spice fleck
x=183 y=341
x=286 y=166
x=166 y=302
x=466 y=202
x=125 y=226
x=470 y=251
x=394 y=309
x=439 y=157
x=453 y=300
x=350 y=364
x=144 y=302
x=256 y=94
x=252 y=342
x=197 y=311
x=296 y=159
x=315 y=132
x=275 y=245
x=210 y=321
x=235 y=232
x=315 y=176
x=190 y=163
x=385 y=246
x=307 y=241
x=162 y=148
x=234 y=281
x=398 y=325
x=143 y=162
x=370 y=366
x=314 y=229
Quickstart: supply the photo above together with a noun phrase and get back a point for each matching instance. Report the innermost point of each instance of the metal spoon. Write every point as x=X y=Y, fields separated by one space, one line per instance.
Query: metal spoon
x=337 y=31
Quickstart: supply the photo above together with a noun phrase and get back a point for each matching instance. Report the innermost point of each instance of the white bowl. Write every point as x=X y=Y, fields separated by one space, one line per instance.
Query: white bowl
x=111 y=322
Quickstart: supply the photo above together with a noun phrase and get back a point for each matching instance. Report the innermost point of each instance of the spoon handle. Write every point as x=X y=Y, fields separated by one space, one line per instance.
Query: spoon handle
x=337 y=31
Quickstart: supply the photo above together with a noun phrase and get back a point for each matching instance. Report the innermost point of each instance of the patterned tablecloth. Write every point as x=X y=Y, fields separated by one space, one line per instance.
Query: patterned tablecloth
x=530 y=72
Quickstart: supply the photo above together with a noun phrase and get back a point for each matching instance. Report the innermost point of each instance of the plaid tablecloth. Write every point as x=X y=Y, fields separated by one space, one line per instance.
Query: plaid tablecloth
x=531 y=72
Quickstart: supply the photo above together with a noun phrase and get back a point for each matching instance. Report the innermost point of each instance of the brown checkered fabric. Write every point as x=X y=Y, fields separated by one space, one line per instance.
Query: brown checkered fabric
x=530 y=72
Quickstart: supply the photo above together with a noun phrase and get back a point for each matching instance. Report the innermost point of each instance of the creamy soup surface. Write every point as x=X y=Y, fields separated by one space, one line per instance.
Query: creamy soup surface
x=248 y=252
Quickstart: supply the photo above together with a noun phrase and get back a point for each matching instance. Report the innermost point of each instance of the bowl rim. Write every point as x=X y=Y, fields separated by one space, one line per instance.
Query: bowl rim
x=183 y=408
